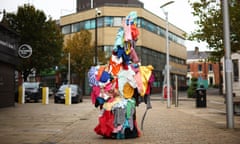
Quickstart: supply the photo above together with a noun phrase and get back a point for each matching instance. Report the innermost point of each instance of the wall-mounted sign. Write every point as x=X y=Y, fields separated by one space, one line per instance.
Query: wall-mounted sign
x=25 y=51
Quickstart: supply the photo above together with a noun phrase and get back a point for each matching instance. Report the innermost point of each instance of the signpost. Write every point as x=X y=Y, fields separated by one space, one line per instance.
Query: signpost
x=25 y=51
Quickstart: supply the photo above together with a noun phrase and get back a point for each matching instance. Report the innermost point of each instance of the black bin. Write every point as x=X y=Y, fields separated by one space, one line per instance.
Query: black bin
x=201 y=97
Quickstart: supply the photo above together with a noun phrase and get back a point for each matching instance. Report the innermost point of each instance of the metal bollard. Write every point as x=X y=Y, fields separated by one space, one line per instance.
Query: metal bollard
x=45 y=94
x=68 y=100
x=21 y=94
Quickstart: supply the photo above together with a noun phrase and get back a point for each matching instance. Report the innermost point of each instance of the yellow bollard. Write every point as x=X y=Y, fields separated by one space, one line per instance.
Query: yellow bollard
x=45 y=99
x=68 y=99
x=21 y=94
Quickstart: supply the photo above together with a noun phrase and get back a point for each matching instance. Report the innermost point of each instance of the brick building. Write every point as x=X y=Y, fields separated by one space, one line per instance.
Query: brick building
x=199 y=67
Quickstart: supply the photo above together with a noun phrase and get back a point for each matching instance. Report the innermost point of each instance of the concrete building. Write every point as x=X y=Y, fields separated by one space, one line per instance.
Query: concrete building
x=151 y=44
x=199 y=67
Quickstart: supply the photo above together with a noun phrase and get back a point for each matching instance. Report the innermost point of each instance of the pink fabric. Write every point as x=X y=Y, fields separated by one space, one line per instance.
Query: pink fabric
x=127 y=32
x=95 y=93
x=108 y=87
x=133 y=56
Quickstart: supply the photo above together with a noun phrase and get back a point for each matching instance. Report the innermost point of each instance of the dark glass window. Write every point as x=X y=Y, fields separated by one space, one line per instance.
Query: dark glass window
x=210 y=68
x=199 y=67
x=235 y=70
x=76 y=27
x=66 y=29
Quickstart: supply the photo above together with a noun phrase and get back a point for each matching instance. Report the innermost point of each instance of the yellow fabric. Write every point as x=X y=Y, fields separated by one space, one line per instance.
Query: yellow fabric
x=145 y=72
x=128 y=90
x=128 y=49
x=108 y=105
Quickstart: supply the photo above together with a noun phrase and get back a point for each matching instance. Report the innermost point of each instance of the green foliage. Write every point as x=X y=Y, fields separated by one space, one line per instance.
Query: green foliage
x=192 y=89
x=44 y=36
x=210 y=26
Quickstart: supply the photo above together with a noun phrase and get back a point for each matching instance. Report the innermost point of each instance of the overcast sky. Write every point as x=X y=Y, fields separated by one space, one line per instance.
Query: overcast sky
x=179 y=12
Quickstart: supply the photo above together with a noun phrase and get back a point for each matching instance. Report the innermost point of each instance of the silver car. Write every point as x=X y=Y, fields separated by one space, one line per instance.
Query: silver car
x=76 y=94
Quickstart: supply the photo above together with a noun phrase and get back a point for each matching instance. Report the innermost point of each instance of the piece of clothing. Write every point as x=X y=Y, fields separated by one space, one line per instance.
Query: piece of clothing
x=92 y=76
x=146 y=72
x=126 y=76
x=95 y=93
x=105 y=126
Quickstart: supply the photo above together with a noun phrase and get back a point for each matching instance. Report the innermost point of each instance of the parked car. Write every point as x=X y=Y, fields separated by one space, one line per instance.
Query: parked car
x=76 y=94
x=33 y=92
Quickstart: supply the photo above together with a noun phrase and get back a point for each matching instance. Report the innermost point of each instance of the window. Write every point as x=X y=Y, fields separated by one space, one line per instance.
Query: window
x=117 y=21
x=66 y=29
x=108 y=51
x=87 y=25
x=210 y=68
x=188 y=67
x=92 y=24
x=199 y=67
x=100 y=22
x=76 y=27
x=235 y=70
x=108 y=21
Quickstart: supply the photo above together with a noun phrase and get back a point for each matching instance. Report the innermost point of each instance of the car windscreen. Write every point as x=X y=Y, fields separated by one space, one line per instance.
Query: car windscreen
x=31 y=85
x=63 y=87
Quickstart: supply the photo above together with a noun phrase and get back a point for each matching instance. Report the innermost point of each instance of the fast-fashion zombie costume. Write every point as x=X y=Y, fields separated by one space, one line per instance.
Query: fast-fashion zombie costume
x=119 y=86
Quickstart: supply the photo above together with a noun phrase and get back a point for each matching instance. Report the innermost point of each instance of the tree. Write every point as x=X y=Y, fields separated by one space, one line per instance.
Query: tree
x=44 y=36
x=210 y=27
x=81 y=54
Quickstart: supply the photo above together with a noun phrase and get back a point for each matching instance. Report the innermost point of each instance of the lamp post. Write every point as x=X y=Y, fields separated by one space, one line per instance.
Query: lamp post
x=69 y=73
x=167 y=52
x=97 y=13
x=228 y=66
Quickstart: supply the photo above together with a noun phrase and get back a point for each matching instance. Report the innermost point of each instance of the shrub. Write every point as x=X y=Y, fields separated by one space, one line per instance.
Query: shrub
x=192 y=89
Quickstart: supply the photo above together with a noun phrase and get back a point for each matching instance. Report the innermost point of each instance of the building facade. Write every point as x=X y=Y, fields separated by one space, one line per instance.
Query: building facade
x=199 y=67
x=151 y=44
x=235 y=74
x=8 y=61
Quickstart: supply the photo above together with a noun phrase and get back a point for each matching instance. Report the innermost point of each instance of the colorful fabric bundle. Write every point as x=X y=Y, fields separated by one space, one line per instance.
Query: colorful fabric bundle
x=119 y=86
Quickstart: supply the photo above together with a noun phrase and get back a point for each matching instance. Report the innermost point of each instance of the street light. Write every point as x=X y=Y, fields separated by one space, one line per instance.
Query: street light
x=97 y=13
x=167 y=52
x=69 y=72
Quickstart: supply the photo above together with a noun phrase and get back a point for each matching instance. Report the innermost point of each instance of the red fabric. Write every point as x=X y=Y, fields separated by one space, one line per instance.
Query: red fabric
x=150 y=82
x=105 y=126
x=134 y=32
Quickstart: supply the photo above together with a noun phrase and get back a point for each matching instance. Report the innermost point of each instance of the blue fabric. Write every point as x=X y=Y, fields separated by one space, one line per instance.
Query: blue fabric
x=121 y=53
x=119 y=39
x=91 y=77
x=105 y=77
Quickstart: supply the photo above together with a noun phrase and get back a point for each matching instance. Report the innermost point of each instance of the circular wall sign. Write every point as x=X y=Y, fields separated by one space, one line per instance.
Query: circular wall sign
x=25 y=51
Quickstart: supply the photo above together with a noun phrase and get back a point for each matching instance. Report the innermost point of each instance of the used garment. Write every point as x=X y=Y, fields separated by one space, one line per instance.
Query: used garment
x=126 y=76
x=95 y=93
x=92 y=76
x=118 y=86
x=105 y=126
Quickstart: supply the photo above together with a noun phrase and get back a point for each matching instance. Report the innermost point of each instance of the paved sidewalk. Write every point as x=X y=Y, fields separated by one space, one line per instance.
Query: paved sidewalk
x=34 y=123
